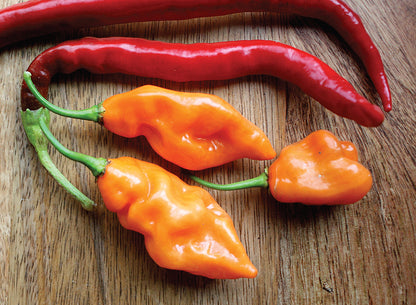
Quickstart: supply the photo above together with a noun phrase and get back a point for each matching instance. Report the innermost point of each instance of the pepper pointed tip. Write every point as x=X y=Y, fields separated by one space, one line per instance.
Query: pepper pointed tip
x=247 y=271
x=371 y=116
x=251 y=272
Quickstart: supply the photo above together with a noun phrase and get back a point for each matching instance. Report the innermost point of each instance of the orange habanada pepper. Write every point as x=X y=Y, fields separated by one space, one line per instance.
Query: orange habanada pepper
x=193 y=130
x=318 y=170
x=184 y=227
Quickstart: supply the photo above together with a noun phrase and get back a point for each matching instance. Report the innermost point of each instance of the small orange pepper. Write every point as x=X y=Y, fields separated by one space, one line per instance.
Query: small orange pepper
x=318 y=170
x=193 y=130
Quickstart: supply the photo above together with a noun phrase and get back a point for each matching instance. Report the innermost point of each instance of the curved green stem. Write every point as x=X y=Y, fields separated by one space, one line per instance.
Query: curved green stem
x=260 y=181
x=30 y=120
x=96 y=165
x=91 y=114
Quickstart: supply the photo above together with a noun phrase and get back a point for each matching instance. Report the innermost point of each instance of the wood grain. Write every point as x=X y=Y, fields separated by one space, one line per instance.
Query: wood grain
x=53 y=252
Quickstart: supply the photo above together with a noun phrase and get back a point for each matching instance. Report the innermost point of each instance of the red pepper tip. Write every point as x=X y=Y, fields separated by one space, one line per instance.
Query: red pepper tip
x=371 y=116
x=387 y=107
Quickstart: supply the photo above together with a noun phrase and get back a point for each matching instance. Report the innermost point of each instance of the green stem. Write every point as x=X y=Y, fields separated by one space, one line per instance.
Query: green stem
x=36 y=137
x=96 y=165
x=91 y=114
x=260 y=181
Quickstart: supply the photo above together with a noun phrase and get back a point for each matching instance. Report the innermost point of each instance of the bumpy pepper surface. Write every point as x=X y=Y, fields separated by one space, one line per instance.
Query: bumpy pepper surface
x=184 y=228
x=203 y=61
x=193 y=130
x=318 y=170
x=37 y=17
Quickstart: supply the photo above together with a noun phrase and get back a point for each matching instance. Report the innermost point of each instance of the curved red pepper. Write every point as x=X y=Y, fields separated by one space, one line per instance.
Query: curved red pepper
x=37 y=17
x=203 y=61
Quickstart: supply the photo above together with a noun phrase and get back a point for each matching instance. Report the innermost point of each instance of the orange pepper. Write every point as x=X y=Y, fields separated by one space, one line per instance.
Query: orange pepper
x=183 y=226
x=193 y=130
x=319 y=169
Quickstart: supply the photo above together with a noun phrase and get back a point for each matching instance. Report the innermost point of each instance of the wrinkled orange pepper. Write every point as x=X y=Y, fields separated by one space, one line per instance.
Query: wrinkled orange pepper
x=318 y=170
x=193 y=130
x=183 y=226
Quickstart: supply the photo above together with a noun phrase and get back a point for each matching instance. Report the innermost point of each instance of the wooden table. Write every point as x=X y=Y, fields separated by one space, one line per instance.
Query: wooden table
x=54 y=252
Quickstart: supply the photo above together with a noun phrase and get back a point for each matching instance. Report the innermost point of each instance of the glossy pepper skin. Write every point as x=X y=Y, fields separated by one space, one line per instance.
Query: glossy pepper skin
x=319 y=169
x=203 y=61
x=37 y=17
x=193 y=130
x=184 y=228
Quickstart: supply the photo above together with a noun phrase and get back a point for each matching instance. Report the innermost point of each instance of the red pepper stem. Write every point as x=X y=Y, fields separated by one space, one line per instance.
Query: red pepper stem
x=260 y=181
x=91 y=114
x=96 y=165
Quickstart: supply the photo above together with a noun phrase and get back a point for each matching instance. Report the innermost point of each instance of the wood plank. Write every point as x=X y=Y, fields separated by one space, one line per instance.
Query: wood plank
x=53 y=252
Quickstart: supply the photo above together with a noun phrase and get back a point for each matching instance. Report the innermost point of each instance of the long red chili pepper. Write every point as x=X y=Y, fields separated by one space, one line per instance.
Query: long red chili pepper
x=37 y=17
x=203 y=61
